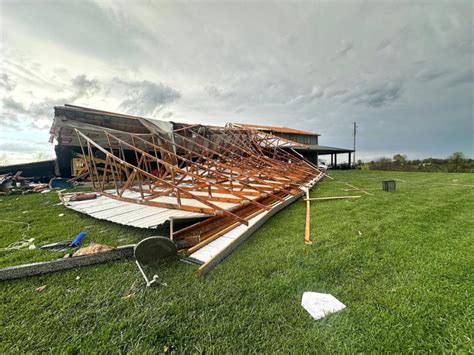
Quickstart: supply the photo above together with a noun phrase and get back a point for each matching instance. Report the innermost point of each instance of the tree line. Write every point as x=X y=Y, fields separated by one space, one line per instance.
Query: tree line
x=456 y=163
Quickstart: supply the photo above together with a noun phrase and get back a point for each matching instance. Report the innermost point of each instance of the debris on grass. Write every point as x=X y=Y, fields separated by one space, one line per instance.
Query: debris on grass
x=151 y=251
x=61 y=215
x=56 y=246
x=94 y=248
x=24 y=242
x=319 y=305
x=60 y=183
x=18 y=184
x=40 y=289
x=77 y=239
x=67 y=263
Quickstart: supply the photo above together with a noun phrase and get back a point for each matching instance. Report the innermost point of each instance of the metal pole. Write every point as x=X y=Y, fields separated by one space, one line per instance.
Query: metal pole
x=354 y=145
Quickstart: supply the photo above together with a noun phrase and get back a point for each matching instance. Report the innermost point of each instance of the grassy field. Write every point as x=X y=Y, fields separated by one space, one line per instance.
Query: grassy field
x=402 y=263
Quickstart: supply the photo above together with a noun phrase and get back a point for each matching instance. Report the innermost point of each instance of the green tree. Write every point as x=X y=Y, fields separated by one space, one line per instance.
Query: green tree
x=457 y=159
x=400 y=159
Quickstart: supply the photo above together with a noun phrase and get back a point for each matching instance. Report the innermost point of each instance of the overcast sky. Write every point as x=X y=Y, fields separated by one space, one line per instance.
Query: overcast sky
x=402 y=70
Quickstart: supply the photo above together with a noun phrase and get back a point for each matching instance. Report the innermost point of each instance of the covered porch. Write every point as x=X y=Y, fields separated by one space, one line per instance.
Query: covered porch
x=313 y=153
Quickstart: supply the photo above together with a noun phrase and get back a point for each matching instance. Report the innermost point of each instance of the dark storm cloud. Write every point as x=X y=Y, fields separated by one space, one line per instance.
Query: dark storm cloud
x=144 y=98
x=81 y=26
x=6 y=83
x=430 y=74
x=84 y=87
x=384 y=44
x=303 y=99
x=12 y=109
x=216 y=93
x=314 y=66
x=378 y=95
x=337 y=93
x=346 y=48
x=11 y=105
x=464 y=78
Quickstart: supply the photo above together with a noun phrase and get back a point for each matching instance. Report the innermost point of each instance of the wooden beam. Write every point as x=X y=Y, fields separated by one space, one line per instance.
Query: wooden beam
x=331 y=198
x=358 y=189
x=307 y=236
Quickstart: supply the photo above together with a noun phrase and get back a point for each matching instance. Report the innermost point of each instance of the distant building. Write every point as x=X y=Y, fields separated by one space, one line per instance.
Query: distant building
x=308 y=142
x=295 y=135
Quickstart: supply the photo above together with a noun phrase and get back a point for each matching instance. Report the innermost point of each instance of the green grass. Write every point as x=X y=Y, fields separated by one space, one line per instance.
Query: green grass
x=402 y=263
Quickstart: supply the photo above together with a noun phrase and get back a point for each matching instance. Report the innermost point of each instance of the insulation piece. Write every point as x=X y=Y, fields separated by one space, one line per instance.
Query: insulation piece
x=319 y=305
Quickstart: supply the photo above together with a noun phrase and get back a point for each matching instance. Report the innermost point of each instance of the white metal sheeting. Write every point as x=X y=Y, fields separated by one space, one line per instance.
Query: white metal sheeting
x=129 y=214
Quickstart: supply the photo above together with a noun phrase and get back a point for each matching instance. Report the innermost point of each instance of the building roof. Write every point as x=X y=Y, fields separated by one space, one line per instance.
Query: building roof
x=321 y=149
x=276 y=129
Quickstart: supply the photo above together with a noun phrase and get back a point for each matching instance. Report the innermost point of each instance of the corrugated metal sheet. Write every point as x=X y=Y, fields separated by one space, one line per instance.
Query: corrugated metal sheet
x=141 y=216
x=129 y=214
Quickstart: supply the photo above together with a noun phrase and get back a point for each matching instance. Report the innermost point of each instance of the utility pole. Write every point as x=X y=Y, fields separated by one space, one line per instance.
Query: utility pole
x=354 y=133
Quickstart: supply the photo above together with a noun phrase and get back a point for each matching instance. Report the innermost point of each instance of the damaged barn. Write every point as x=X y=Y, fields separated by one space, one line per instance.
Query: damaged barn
x=208 y=187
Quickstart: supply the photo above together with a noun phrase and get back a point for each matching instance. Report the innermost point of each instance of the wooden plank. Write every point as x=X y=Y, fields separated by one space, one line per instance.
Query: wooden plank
x=331 y=198
x=358 y=189
x=307 y=236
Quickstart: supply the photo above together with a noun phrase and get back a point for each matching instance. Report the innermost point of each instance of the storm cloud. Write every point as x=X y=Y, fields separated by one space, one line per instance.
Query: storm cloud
x=145 y=98
x=403 y=72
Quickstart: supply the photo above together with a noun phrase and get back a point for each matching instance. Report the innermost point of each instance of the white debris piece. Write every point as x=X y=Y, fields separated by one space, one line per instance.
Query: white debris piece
x=320 y=305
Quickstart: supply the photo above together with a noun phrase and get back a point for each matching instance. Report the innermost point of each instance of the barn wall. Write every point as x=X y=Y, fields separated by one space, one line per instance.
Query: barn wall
x=299 y=138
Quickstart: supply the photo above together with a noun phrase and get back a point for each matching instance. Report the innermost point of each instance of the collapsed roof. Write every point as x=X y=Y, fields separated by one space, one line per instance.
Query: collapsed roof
x=225 y=178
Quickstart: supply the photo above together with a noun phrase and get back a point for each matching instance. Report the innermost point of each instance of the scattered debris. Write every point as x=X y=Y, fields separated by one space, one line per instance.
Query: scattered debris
x=82 y=196
x=60 y=183
x=94 y=248
x=129 y=296
x=150 y=252
x=40 y=289
x=331 y=198
x=57 y=245
x=61 y=215
x=319 y=305
x=358 y=189
x=78 y=277
x=15 y=183
x=24 y=242
x=77 y=240
x=19 y=271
